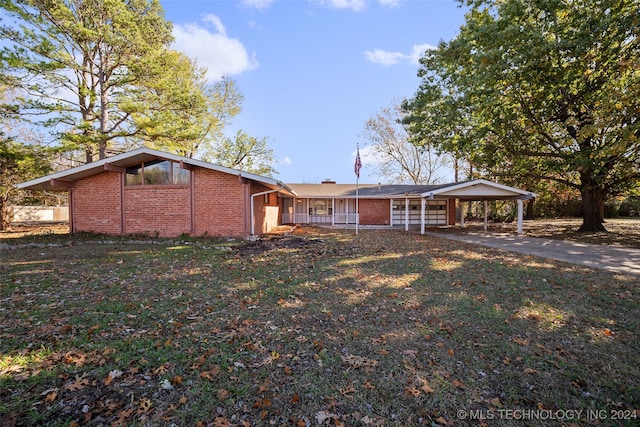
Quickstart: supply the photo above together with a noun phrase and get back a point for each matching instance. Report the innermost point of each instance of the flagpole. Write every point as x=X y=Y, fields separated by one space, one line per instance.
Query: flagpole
x=356 y=169
x=357 y=210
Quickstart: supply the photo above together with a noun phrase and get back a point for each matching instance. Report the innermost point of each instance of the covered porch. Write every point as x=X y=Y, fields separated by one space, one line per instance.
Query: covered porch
x=324 y=211
x=483 y=191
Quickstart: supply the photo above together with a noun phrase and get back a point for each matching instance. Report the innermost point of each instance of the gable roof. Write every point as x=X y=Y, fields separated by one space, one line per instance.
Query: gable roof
x=480 y=189
x=60 y=180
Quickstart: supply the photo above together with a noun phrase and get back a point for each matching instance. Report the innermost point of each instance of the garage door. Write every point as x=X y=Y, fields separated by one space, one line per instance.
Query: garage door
x=435 y=212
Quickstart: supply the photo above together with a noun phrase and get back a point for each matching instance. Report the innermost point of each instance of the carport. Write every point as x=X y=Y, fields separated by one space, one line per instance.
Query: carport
x=480 y=190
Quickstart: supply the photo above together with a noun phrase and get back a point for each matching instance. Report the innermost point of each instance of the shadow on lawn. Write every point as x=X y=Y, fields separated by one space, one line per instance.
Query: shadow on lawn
x=383 y=328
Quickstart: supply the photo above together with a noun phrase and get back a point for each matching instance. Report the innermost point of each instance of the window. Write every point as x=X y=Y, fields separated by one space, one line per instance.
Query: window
x=321 y=207
x=157 y=172
x=134 y=175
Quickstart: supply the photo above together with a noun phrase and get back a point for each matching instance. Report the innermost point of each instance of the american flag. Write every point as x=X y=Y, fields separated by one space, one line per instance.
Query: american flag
x=358 y=165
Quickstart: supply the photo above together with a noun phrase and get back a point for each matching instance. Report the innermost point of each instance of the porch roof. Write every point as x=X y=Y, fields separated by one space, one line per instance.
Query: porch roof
x=480 y=189
x=369 y=191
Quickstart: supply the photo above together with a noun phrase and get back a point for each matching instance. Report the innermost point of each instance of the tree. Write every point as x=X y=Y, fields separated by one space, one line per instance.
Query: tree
x=401 y=161
x=75 y=60
x=550 y=89
x=18 y=163
x=184 y=113
x=246 y=153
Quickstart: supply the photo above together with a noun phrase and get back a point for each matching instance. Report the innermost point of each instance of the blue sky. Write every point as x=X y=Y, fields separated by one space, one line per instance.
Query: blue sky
x=313 y=72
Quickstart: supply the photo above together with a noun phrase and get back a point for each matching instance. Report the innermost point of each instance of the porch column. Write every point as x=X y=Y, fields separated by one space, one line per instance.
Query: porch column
x=391 y=213
x=486 y=208
x=461 y=213
x=333 y=211
x=519 y=216
x=423 y=202
x=406 y=214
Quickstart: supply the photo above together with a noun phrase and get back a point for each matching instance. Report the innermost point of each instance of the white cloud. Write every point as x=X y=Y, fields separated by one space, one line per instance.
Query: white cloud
x=386 y=58
x=379 y=56
x=258 y=4
x=369 y=156
x=389 y=3
x=355 y=5
x=286 y=161
x=212 y=48
x=418 y=52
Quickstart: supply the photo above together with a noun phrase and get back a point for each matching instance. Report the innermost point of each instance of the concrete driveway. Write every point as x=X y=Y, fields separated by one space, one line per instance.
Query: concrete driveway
x=621 y=260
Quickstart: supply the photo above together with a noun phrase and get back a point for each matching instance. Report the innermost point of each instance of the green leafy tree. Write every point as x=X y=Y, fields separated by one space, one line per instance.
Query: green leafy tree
x=182 y=112
x=75 y=61
x=18 y=163
x=246 y=153
x=545 y=90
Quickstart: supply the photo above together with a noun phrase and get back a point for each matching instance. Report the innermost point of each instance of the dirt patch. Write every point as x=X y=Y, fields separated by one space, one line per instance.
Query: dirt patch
x=273 y=242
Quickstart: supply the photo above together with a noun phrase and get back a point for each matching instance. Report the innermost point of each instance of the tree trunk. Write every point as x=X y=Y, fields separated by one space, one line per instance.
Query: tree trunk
x=592 y=208
x=5 y=218
x=530 y=212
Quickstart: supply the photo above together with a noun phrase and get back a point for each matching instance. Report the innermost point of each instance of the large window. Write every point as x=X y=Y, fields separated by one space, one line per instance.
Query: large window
x=157 y=172
x=320 y=207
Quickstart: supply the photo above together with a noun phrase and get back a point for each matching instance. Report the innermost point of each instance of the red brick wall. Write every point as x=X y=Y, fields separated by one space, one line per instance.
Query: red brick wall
x=374 y=211
x=96 y=204
x=219 y=204
x=157 y=209
x=451 y=206
x=267 y=215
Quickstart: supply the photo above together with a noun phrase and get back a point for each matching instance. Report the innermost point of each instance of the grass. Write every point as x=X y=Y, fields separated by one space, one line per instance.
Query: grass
x=320 y=328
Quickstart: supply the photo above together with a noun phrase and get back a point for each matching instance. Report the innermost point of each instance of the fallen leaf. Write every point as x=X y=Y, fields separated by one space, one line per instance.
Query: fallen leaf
x=441 y=420
x=347 y=391
x=412 y=391
x=322 y=416
x=223 y=395
x=367 y=384
x=144 y=406
x=457 y=384
x=425 y=387
x=78 y=384
x=359 y=362
x=112 y=375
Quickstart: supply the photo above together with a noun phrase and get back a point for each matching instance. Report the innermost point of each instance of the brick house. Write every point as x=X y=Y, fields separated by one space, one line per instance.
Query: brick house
x=152 y=192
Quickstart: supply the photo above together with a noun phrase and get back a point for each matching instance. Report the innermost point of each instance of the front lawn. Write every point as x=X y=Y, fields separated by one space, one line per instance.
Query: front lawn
x=320 y=328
